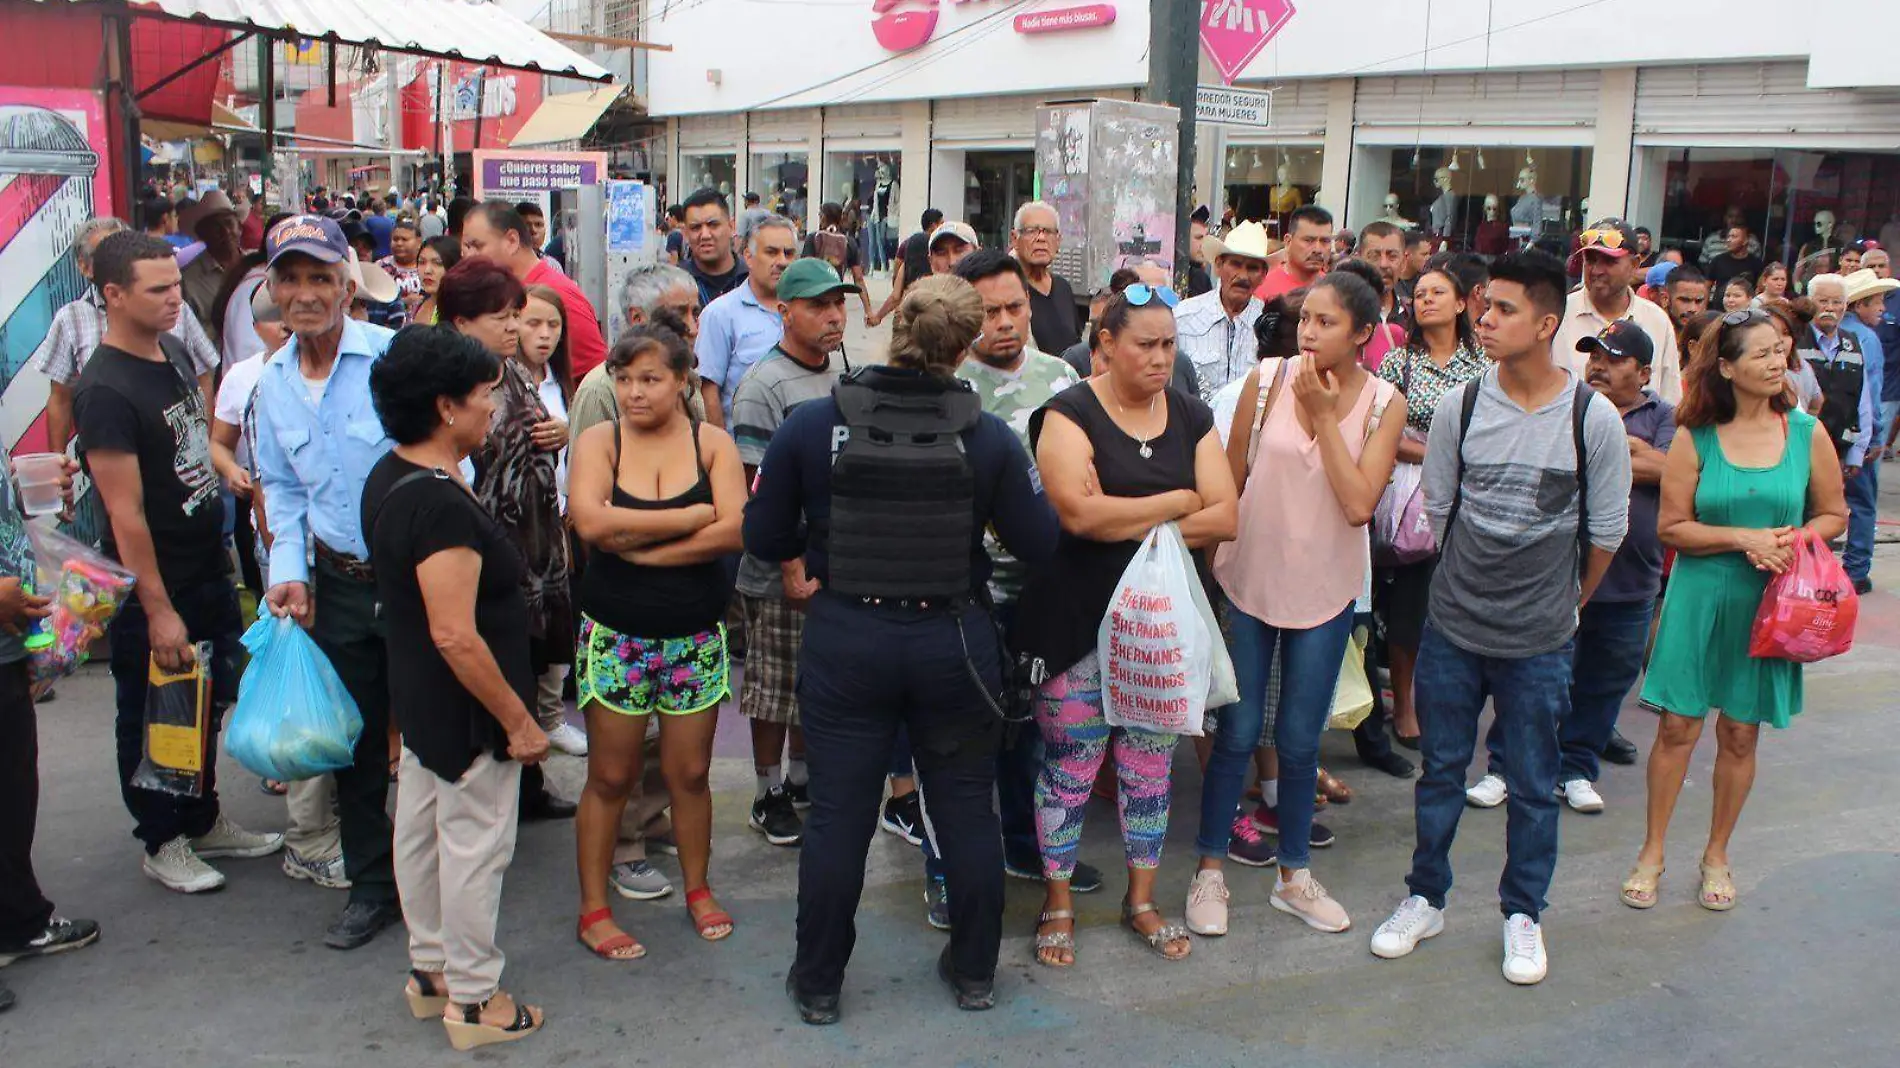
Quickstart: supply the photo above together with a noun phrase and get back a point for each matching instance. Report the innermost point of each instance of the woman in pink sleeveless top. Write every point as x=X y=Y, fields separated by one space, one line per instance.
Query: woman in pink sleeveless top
x=1312 y=449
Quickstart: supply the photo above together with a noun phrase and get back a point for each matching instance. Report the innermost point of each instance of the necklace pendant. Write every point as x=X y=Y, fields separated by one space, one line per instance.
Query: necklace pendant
x=1146 y=452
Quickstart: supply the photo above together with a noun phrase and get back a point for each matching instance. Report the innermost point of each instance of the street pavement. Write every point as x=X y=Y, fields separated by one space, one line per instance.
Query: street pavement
x=1801 y=973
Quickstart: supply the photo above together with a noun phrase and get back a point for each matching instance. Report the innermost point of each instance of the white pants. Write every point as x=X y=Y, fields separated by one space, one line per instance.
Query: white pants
x=453 y=843
x=314 y=832
x=549 y=710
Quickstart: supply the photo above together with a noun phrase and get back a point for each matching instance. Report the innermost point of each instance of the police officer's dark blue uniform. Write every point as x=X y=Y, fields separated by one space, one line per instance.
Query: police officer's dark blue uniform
x=897 y=476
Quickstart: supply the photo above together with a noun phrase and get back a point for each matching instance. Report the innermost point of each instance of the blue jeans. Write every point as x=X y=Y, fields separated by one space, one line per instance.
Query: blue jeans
x=1863 y=509
x=1531 y=697
x=1611 y=637
x=1309 y=671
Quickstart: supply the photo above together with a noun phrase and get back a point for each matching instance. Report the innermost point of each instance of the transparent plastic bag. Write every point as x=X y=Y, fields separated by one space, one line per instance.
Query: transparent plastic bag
x=294 y=719
x=1155 y=649
x=1807 y=612
x=177 y=726
x=88 y=589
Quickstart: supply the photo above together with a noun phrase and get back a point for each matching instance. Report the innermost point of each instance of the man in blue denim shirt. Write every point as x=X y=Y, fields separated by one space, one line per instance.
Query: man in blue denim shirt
x=318 y=435
x=1887 y=329
x=1613 y=628
x=1867 y=295
x=28 y=927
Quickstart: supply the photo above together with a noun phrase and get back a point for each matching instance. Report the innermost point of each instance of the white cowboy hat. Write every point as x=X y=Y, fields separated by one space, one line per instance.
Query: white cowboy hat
x=1864 y=283
x=1248 y=240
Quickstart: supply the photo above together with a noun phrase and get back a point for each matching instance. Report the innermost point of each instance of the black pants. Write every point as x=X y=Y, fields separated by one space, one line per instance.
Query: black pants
x=23 y=909
x=210 y=612
x=1369 y=738
x=244 y=540
x=862 y=672
x=350 y=632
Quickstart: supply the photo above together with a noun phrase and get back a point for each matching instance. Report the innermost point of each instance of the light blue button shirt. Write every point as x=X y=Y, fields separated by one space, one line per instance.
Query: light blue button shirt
x=735 y=332
x=313 y=456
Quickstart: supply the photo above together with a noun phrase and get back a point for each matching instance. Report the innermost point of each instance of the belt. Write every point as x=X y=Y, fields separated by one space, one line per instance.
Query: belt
x=915 y=604
x=348 y=566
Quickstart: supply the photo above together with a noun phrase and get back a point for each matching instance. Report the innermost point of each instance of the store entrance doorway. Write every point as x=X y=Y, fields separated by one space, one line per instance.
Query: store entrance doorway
x=995 y=185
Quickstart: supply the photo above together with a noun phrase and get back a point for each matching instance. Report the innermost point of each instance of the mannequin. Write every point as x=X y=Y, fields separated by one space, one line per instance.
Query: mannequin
x=1393 y=215
x=1444 y=209
x=1529 y=211
x=1494 y=235
x=1285 y=197
x=884 y=200
x=1890 y=232
x=1823 y=234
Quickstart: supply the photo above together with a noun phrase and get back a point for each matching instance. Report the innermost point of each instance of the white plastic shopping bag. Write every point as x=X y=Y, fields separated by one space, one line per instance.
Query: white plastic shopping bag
x=1156 y=650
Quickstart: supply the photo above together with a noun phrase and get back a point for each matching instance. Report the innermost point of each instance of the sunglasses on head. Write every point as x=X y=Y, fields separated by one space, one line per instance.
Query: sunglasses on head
x=1139 y=294
x=1606 y=237
x=1744 y=316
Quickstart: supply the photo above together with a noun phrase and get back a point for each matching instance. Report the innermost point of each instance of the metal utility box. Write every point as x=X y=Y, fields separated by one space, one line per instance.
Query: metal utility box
x=1108 y=167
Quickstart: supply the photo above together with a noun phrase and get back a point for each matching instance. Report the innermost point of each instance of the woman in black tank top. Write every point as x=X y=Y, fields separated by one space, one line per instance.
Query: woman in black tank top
x=657 y=495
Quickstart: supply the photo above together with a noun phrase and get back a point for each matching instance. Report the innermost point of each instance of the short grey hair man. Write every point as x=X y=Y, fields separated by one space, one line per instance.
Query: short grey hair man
x=758 y=219
x=647 y=285
x=1022 y=213
x=91 y=232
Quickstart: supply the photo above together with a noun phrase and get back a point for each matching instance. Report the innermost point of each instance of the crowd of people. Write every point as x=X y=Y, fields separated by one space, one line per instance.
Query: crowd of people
x=490 y=512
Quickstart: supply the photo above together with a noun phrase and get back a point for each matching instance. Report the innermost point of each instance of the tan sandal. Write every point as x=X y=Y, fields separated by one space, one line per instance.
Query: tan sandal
x=1718 y=888
x=1055 y=939
x=1161 y=937
x=1639 y=889
x=469 y=1032
x=424 y=1002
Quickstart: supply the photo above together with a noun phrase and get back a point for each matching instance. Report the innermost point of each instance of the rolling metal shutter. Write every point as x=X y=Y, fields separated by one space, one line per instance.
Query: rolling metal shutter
x=1299 y=114
x=1760 y=105
x=1495 y=107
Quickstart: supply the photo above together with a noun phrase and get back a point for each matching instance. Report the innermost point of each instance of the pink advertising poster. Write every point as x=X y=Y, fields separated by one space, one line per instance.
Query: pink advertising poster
x=53 y=176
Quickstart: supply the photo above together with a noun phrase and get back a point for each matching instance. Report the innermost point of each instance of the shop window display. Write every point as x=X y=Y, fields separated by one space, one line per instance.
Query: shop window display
x=868 y=186
x=995 y=185
x=710 y=170
x=781 y=179
x=1268 y=183
x=1490 y=199
x=1803 y=209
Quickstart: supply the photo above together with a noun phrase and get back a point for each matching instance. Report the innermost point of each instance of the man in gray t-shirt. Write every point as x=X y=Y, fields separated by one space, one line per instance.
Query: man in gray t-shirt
x=799 y=368
x=1518 y=558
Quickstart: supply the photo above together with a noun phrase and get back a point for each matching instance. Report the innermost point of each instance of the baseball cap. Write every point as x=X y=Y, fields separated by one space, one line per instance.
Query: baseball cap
x=373 y=285
x=959 y=230
x=1622 y=340
x=1658 y=275
x=1612 y=237
x=808 y=278
x=312 y=235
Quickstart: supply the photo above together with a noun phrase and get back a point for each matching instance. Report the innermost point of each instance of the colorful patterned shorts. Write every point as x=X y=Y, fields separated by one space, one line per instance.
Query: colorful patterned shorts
x=636 y=676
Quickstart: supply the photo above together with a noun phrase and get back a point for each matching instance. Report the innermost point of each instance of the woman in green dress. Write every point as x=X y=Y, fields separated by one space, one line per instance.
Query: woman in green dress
x=1749 y=472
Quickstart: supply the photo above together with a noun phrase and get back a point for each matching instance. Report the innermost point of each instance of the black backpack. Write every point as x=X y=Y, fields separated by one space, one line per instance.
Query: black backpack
x=1579 y=406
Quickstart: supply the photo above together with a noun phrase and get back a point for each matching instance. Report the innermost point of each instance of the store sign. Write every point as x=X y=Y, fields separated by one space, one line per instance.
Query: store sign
x=1234 y=31
x=1086 y=17
x=1233 y=107
x=902 y=25
x=496 y=92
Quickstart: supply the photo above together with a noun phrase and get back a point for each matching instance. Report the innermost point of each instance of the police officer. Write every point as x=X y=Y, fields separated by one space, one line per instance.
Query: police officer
x=897 y=475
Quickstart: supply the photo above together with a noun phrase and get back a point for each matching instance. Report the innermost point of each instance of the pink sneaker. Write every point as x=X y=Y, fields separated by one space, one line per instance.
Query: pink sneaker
x=1304 y=897
x=1207 y=904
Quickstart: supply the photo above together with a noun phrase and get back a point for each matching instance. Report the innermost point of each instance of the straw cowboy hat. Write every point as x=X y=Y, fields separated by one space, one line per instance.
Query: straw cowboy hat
x=1864 y=283
x=1248 y=240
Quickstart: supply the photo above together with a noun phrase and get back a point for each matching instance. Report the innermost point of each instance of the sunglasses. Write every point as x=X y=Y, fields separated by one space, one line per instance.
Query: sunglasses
x=1608 y=237
x=1141 y=293
x=1744 y=316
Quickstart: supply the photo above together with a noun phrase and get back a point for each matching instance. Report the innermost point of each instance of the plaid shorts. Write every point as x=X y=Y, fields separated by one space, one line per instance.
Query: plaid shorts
x=773 y=630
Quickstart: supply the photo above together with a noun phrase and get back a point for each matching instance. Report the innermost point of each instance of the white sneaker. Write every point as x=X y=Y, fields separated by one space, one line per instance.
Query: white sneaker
x=569 y=739
x=176 y=867
x=1413 y=922
x=1582 y=795
x=227 y=839
x=1489 y=793
x=1524 y=960
x=328 y=874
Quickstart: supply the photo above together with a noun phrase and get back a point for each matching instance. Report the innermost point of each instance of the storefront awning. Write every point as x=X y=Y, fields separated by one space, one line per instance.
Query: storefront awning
x=223 y=121
x=565 y=117
x=443 y=29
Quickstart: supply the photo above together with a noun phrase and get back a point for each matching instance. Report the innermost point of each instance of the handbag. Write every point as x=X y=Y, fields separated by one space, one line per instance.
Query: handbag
x=1401 y=528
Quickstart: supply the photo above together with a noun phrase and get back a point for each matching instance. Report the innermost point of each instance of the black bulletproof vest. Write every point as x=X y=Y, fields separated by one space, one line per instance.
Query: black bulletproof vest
x=903 y=494
x=1840 y=380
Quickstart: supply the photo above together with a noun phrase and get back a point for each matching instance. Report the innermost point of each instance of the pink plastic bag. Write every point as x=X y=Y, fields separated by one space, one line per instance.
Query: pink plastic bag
x=1808 y=612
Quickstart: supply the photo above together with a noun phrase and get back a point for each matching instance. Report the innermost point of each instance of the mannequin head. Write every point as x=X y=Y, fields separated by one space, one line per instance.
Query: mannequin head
x=1280 y=175
x=1824 y=225
x=1392 y=205
x=1527 y=180
x=883 y=172
x=1491 y=207
x=1442 y=178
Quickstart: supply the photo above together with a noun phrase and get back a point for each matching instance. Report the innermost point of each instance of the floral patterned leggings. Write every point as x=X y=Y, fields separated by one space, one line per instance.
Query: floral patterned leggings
x=1076 y=739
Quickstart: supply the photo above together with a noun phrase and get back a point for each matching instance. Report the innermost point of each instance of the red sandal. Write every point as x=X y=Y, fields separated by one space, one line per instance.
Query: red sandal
x=609 y=948
x=705 y=922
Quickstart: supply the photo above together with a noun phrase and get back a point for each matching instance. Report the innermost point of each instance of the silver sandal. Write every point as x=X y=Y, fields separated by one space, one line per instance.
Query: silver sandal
x=1161 y=936
x=1056 y=939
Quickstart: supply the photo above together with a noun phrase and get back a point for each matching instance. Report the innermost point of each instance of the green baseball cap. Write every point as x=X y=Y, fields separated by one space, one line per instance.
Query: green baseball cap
x=811 y=277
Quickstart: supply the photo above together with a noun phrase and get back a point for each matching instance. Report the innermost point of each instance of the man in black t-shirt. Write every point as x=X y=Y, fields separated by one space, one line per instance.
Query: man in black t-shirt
x=710 y=258
x=1737 y=262
x=1054 y=317
x=145 y=441
x=913 y=263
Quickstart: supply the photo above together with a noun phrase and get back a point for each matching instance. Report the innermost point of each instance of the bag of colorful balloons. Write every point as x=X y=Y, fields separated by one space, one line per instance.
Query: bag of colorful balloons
x=87 y=589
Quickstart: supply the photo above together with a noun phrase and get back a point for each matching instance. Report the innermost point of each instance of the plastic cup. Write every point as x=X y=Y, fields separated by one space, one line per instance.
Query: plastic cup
x=38 y=475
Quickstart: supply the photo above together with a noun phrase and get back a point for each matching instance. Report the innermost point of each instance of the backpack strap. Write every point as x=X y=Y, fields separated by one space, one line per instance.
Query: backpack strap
x=413 y=476
x=1381 y=397
x=1467 y=405
x=1579 y=407
x=1263 y=402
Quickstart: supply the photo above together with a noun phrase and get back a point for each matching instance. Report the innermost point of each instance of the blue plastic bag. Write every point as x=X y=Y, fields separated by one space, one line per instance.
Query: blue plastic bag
x=294 y=719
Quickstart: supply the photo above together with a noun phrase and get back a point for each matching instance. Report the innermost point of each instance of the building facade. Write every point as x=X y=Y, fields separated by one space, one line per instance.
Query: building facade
x=1457 y=116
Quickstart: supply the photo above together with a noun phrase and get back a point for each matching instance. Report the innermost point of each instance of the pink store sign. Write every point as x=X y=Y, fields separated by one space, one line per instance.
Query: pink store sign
x=1234 y=31
x=902 y=25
